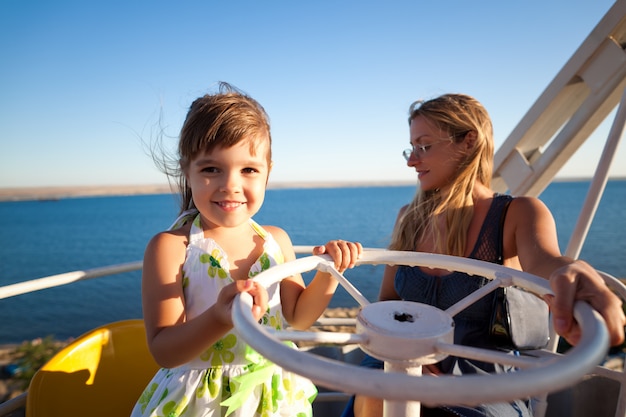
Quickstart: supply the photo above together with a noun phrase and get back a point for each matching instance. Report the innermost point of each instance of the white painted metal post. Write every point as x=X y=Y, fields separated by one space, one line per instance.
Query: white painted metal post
x=402 y=408
x=599 y=182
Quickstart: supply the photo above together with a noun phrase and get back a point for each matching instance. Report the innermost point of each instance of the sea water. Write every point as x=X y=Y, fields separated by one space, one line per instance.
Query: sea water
x=42 y=238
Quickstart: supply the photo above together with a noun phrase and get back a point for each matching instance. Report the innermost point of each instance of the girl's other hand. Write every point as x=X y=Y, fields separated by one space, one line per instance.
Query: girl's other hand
x=344 y=253
x=225 y=299
x=259 y=296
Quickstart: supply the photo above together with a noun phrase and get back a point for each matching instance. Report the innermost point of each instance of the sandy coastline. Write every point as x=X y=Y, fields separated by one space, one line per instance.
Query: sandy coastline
x=61 y=192
x=56 y=193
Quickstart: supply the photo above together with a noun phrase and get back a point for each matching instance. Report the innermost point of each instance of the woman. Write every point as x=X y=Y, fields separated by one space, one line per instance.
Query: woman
x=455 y=212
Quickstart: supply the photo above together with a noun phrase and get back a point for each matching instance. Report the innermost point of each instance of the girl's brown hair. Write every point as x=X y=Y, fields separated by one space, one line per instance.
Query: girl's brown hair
x=216 y=120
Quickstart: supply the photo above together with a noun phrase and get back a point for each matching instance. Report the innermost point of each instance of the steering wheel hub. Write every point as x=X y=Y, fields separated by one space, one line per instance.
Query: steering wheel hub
x=403 y=331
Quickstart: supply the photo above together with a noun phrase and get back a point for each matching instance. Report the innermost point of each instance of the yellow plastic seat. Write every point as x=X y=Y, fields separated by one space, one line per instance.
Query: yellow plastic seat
x=102 y=373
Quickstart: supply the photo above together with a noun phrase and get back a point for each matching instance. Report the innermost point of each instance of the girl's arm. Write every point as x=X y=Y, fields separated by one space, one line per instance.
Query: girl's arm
x=530 y=234
x=302 y=305
x=173 y=340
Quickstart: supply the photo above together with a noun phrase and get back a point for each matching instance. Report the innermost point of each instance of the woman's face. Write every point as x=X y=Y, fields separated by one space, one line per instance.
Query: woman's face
x=435 y=157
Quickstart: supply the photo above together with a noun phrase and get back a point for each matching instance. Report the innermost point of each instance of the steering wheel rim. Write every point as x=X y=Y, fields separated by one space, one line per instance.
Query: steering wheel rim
x=552 y=374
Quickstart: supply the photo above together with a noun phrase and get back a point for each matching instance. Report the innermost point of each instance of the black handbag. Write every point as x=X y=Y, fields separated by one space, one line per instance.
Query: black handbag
x=519 y=319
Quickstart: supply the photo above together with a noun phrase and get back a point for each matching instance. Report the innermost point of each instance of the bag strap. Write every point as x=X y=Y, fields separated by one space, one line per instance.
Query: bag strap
x=501 y=231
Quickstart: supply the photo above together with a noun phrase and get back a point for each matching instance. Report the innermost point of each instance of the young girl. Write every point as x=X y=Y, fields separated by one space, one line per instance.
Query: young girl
x=193 y=271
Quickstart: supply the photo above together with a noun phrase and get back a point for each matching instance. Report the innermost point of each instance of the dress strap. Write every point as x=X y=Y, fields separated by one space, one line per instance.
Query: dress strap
x=196 y=233
x=258 y=229
x=183 y=218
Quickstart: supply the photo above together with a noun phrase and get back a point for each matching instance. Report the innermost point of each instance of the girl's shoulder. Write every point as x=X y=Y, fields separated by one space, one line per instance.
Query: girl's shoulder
x=172 y=237
x=277 y=233
x=283 y=240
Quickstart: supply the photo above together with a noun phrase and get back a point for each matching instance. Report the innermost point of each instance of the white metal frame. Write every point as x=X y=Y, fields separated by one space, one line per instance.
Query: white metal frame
x=574 y=104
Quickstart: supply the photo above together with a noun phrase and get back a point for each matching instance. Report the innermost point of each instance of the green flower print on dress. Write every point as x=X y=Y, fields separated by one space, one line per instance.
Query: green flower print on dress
x=146 y=395
x=185 y=279
x=265 y=404
x=215 y=268
x=220 y=352
x=210 y=382
x=173 y=409
x=275 y=321
x=296 y=394
x=264 y=263
x=258 y=371
x=277 y=393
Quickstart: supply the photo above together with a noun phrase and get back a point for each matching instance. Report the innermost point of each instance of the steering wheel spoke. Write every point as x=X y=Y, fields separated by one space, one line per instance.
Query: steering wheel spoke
x=473 y=297
x=327 y=338
x=494 y=356
x=343 y=281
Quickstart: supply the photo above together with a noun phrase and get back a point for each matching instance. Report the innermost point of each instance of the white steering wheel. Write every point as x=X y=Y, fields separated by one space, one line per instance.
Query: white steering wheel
x=407 y=335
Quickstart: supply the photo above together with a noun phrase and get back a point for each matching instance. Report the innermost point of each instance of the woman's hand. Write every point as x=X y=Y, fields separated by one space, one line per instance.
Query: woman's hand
x=344 y=253
x=579 y=281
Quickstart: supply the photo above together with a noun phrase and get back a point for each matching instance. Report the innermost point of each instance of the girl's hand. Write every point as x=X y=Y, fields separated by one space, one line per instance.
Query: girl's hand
x=225 y=299
x=579 y=281
x=344 y=253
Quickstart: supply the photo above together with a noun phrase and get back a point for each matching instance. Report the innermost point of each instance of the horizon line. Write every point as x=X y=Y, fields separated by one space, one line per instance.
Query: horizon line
x=71 y=191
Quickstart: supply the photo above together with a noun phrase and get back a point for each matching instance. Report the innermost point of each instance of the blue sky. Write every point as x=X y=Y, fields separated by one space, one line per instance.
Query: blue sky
x=82 y=84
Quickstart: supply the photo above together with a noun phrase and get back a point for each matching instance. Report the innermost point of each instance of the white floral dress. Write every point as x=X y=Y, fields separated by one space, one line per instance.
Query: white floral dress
x=229 y=378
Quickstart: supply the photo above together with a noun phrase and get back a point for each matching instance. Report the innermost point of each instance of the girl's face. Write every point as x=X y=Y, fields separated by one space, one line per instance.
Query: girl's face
x=435 y=155
x=228 y=184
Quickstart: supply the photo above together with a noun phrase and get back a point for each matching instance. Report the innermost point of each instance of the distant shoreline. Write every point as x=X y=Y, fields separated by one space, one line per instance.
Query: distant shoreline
x=57 y=193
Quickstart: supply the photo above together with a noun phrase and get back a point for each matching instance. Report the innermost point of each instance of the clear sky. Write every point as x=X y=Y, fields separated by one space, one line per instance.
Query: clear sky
x=83 y=83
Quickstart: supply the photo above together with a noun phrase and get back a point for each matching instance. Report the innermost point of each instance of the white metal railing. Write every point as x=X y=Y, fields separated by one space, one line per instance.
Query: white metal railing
x=596 y=189
x=66 y=278
x=69 y=277
x=13 y=405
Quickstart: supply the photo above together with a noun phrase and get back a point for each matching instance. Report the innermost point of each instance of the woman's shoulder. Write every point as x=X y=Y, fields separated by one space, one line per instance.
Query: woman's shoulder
x=402 y=210
x=527 y=202
x=526 y=208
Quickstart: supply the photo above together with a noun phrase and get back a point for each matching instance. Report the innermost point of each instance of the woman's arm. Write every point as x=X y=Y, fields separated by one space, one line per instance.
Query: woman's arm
x=532 y=237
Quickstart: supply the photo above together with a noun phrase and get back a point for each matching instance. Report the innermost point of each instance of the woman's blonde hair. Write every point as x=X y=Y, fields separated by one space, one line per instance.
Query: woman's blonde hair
x=458 y=115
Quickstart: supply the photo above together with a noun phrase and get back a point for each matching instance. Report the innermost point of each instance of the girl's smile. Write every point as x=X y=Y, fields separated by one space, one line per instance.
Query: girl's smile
x=229 y=205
